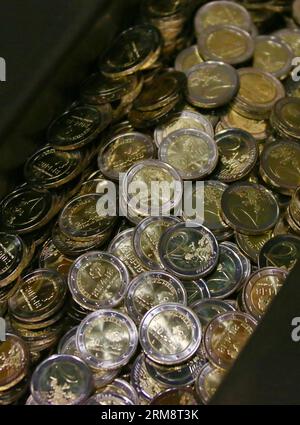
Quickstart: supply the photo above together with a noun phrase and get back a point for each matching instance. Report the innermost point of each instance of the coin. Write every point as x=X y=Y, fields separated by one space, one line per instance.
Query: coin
x=144 y=384
x=238 y=152
x=183 y=120
x=196 y=290
x=176 y=397
x=211 y=84
x=272 y=55
x=249 y=208
x=135 y=49
x=246 y=264
x=107 y=339
x=192 y=153
x=228 y=276
x=109 y=399
x=123 y=388
x=12 y=255
x=251 y=245
x=79 y=126
x=285 y=118
x=49 y=167
x=226 y=43
x=170 y=334
x=151 y=289
x=14 y=394
x=152 y=174
x=176 y=376
x=122 y=247
x=261 y=289
x=280 y=165
x=122 y=152
x=258 y=93
x=222 y=12
x=188 y=58
x=226 y=336
x=52 y=259
x=86 y=217
x=61 y=380
x=39 y=295
x=290 y=37
x=98 y=280
x=189 y=250
x=282 y=251
x=294 y=206
x=208 y=381
x=257 y=128
x=14 y=356
x=207 y=310
x=146 y=239
x=26 y=209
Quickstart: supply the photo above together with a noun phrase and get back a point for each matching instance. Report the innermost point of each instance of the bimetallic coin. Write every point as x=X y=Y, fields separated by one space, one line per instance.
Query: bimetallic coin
x=249 y=208
x=238 y=152
x=285 y=118
x=176 y=376
x=261 y=289
x=79 y=126
x=251 y=245
x=280 y=165
x=49 y=167
x=151 y=289
x=146 y=239
x=257 y=128
x=208 y=381
x=211 y=84
x=196 y=290
x=122 y=152
x=183 y=120
x=226 y=43
x=39 y=295
x=246 y=263
x=135 y=49
x=192 y=153
x=107 y=339
x=61 y=380
x=123 y=388
x=176 y=397
x=146 y=387
x=222 y=12
x=26 y=209
x=207 y=310
x=51 y=258
x=86 y=217
x=170 y=334
x=109 y=399
x=188 y=58
x=272 y=55
x=14 y=361
x=189 y=250
x=258 y=93
x=151 y=175
x=280 y=252
x=226 y=336
x=228 y=276
x=98 y=280
x=122 y=247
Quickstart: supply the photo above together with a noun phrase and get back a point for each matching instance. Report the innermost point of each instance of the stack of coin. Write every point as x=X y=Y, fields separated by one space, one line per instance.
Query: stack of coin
x=14 y=356
x=285 y=118
x=170 y=17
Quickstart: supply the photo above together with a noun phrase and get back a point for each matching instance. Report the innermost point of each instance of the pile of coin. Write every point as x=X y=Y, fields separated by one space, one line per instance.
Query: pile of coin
x=148 y=297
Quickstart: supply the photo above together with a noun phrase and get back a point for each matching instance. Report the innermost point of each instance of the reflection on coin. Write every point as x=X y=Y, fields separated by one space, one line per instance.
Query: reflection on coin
x=226 y=336
x=109 y=399
x=61 y=380
x=107 y=339
x=170 y=334
x=211 y=84
x=189 y=250
x=122 y=152
x=151 y=289
x=249 y=208
x=188 y=58
x=206 y=310
x=176 y=397
x=280 y=165
x=226 y=43
x=192 y=153
x=98 y=280
x=208 y=381
x=261 y=289
x=281 y=252
x=238 y=152
x=196 y=290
